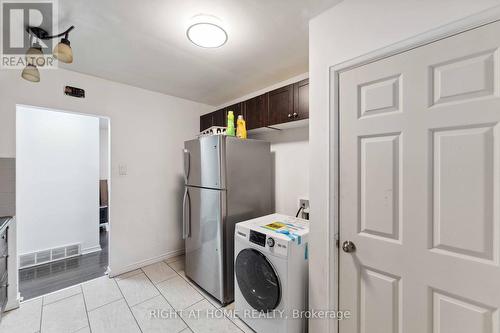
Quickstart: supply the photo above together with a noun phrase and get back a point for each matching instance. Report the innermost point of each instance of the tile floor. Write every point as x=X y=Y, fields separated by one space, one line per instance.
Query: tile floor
x=124 y=304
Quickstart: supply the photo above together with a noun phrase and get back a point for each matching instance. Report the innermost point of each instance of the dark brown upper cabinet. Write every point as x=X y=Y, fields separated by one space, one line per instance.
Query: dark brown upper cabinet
x=219 y=118
x=215 y=118
x=301 y=100
x=206 y=121
x=281 y=105
x=238 y=109
x=256 y=112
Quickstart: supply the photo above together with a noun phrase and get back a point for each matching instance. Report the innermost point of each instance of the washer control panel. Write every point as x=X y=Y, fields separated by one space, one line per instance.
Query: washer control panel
x=258 y=238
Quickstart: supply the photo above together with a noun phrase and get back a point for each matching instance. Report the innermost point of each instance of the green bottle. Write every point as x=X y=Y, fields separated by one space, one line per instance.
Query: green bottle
x=230 y=124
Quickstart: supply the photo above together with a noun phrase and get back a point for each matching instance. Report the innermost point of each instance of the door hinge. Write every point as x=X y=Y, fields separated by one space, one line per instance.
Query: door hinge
x=337 y=240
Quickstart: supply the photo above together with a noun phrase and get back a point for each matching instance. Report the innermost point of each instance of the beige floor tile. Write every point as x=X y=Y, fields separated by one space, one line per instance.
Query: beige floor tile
x=137 y=289
x=84 y=330
x=128 y=274
x=25 y=319
x=166 y=320
x=207 y=321
x=113 y=318
x=61 y=294
x=178 y=266
x=100 y=291
x=66 y=315
x=241 y=325
x=179 y=293
x=159 y=272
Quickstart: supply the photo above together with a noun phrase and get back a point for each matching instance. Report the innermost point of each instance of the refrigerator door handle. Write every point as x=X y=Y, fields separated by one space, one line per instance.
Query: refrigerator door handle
x=188 y=233
x=187 y=164
x=186 y=214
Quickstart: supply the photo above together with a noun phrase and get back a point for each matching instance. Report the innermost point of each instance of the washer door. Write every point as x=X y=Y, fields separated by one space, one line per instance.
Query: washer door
x=257 y=280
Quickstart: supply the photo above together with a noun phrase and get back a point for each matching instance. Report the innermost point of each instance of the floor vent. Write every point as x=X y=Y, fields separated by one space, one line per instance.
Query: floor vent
x=46 y=256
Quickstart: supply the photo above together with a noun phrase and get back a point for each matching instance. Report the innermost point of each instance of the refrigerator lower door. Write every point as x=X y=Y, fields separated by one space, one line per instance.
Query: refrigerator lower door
x=204 y=243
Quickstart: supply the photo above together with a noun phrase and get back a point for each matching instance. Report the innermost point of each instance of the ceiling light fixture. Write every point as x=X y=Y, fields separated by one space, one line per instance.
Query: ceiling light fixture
x=207 y=35
x=33 y=53
x=31 y=73
x=62 y=51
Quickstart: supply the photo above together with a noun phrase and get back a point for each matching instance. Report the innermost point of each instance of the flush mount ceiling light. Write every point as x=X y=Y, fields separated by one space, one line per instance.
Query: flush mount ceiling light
x=62 y=51
x=207 y=34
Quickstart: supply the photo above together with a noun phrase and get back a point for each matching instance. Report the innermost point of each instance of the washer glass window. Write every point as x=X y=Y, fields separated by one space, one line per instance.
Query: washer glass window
x=257 y=280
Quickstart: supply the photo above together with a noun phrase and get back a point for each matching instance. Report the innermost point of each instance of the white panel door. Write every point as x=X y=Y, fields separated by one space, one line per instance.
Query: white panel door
x=420 y=189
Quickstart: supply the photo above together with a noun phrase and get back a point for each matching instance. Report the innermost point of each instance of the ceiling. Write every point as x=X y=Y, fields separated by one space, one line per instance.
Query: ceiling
x=144 y=44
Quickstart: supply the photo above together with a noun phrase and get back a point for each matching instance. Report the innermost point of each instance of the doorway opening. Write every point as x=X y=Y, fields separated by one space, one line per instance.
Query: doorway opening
x=62 y=200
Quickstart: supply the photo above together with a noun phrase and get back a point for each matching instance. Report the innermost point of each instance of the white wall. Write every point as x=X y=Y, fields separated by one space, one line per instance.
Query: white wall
x=290 y=148
x=57 y=181
x=348 y=30
x=147 y=134
x=103 y=153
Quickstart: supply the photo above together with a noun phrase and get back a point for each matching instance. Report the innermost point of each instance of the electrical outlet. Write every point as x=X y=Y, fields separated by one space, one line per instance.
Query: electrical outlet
x=304 y=203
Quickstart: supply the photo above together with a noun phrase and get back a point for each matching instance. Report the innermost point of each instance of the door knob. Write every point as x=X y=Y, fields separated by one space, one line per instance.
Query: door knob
x=295 y=115
x=348 y=247
x=289 y=115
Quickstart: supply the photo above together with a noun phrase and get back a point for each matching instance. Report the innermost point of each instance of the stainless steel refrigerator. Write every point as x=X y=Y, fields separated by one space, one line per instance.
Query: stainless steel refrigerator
x=227 y=180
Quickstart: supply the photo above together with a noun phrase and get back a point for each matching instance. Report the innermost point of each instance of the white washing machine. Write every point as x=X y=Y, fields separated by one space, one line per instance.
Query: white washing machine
x=271 y=273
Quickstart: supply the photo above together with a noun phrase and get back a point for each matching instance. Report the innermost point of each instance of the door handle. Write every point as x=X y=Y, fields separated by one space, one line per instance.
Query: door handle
x=348 y=247
x=187 y=164
x=188 y=233
x=186 y=215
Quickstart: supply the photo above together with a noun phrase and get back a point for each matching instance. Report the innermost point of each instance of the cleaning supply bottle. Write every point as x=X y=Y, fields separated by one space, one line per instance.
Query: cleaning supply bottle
x=230 y=123
x=241 y=129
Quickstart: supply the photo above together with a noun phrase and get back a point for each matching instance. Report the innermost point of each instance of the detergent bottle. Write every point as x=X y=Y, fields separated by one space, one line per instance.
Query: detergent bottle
x=230 y=123
x=241 y=129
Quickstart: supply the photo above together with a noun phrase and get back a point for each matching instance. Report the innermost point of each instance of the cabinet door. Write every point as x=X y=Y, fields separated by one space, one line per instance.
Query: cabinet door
x=281 y=105
x=256 y=112
x=301 y=100
x=219 y=118
x=205 y=121
x=237 y=109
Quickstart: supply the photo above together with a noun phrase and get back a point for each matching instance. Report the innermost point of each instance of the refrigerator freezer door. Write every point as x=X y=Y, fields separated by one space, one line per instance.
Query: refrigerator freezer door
x=204 y=245
x=203 y=165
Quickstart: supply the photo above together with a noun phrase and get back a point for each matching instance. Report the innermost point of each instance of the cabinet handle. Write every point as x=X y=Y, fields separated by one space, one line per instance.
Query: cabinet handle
x=295 y=114
x=289 y=115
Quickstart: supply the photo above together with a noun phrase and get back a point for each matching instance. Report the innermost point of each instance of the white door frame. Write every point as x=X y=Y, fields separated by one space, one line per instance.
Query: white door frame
x=456 y=27
x=108 y=118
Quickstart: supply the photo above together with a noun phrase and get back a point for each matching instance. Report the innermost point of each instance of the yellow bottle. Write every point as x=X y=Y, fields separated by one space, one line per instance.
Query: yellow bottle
x=241 y=130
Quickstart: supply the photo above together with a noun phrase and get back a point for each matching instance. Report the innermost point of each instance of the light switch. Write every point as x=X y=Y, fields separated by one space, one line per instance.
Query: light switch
x=122 y=169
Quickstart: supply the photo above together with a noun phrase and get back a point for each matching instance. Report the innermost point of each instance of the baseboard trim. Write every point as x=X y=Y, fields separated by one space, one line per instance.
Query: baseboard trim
x=118 y=271
x=91 y=249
